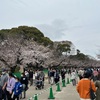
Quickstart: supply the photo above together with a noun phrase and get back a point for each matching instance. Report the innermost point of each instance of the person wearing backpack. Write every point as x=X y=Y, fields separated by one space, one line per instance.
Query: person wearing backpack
x=17 y=89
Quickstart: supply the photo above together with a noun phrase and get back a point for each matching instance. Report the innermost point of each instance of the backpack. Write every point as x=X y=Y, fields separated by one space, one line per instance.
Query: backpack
x=18 y=88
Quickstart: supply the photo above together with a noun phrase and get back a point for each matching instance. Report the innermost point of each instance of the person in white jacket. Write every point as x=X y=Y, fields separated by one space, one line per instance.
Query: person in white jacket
x=73 y=78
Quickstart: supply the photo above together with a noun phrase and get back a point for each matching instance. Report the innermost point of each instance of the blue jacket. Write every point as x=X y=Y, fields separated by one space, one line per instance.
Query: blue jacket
x=18 y=88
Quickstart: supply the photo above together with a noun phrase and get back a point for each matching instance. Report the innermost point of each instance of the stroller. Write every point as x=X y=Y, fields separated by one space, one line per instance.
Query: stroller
x=39 y=83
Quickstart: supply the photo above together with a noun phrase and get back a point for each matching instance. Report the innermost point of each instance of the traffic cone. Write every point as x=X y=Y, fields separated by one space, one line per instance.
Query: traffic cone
x=58 y=87
x=51 y=96
x=35 y=97
x=63 y=83
x=68 y=81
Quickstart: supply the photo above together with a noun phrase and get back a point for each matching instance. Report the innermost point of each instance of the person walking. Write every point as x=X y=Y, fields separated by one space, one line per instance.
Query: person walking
x=4 y=79
x=31 y=77
x=63 y=72
x=52 y=77
x=83 y=87
x=24 y=82
x=73 y=78
x=17 y=89
x=97 y=84
x=56 y=76
x=10 y=86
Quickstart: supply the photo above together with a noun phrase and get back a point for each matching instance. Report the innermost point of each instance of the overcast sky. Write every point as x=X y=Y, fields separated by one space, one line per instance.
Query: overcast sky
x=74 y=20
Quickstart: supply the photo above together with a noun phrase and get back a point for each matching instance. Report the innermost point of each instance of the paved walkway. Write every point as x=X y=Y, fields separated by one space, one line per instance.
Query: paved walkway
x=67 y=93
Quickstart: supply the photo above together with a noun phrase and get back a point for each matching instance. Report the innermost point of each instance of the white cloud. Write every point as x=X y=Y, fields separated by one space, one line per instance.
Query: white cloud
x=55 y=30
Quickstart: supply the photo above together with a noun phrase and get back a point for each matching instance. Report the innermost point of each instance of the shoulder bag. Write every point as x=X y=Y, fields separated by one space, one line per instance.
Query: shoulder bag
x=92 y=94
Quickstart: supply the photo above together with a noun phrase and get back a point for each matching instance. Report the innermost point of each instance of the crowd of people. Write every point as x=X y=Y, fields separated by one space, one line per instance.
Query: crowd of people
x=12 y=87
x=85 y=80
x=54 y=75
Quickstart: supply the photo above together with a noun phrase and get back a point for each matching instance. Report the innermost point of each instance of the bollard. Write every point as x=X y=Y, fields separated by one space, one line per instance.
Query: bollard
x=51 y=96
x=63 y=83
x=58 y=87
x=68 y=81
x=35 y=97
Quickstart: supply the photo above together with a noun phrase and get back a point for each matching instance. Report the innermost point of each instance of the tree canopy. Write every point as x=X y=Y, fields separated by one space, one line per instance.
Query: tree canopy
x=29 y=33
x=63 y=48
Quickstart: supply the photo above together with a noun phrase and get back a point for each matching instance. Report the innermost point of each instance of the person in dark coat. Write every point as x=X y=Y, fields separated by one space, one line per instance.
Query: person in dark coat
x=97 y=84
x=63 y=72
x=56 y=76
x=24 y=82
x=31 y=77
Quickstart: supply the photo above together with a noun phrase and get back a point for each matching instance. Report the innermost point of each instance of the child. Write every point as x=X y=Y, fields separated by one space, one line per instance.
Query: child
x=17 y=89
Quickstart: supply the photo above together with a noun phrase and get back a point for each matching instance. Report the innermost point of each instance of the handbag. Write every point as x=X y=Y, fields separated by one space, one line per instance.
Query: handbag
x=92 y=94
